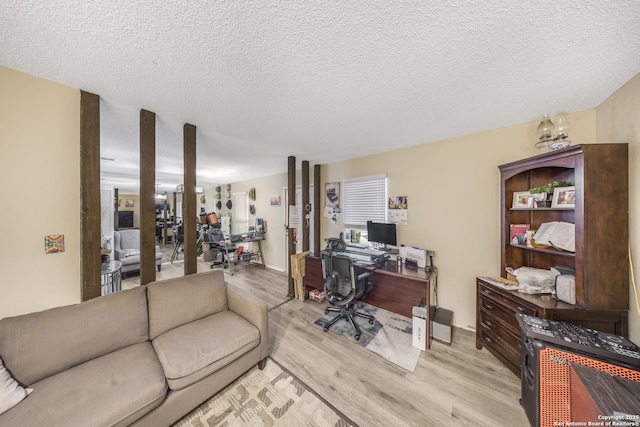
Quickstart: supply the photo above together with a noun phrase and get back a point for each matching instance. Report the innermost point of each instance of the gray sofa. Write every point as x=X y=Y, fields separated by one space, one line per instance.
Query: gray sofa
x=145 y=356
x=126 y=245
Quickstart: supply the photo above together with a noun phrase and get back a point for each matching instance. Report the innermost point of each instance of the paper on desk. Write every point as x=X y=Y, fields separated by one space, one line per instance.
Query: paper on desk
x=420 y=255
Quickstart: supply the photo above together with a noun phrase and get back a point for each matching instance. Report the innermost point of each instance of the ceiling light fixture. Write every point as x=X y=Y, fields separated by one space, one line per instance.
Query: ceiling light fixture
x=159 y=195
x=199 y=189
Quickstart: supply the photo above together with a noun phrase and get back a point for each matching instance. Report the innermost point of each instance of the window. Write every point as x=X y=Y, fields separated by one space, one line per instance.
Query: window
x=240 y=209
x=364 y=199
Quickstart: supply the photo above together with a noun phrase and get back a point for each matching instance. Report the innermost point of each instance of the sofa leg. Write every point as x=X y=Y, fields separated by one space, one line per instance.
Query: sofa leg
x=262 y=363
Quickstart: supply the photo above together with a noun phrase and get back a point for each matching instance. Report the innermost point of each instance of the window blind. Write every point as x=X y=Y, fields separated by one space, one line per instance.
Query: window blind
x=364 y=199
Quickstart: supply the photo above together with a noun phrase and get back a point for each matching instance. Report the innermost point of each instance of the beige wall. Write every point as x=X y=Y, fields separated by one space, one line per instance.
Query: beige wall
x=618 y=120
x=453 y=191
x=40 y=174
x=273 y=247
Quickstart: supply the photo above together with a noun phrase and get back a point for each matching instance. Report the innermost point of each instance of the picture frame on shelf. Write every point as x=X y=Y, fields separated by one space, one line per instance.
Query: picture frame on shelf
x=564 y=198
x=522 y=200
x=540 y=200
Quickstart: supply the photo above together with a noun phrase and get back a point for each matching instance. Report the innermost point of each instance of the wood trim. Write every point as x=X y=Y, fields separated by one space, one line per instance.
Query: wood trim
x=292 y=201
x=90 y=219
x=189 y=200
x=147 y=197
x=305 y=202
x=318 y=209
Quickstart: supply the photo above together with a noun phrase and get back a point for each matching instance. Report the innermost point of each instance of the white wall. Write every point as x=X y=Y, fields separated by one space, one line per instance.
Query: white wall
x=618 y=120
x=40 y=174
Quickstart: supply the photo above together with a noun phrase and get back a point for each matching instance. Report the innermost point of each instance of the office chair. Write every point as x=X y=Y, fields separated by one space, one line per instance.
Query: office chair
x=216 y=239
x=343 y=286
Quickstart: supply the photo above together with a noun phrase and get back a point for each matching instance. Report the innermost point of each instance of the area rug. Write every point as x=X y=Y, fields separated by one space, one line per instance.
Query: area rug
x=390 y=336
x=268 y=397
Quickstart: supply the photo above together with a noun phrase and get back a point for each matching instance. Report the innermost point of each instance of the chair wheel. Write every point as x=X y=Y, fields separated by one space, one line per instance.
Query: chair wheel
x=371 y=321
x=326 y=311
x=357 y=337
x=325 y=329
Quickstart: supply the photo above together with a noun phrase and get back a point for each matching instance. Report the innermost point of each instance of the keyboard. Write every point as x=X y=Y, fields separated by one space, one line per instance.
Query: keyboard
x=364 y=251
x=357 y=245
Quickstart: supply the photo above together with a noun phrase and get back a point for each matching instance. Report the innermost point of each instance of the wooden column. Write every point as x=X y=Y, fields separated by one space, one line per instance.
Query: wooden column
x=147 y=197
x=90 y=210
x=317 y=197
x=305 y=204
x=189 y=200
x=292 y=202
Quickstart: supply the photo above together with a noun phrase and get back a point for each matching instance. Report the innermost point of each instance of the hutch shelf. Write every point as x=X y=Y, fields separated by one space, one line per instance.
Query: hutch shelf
x=600 y=175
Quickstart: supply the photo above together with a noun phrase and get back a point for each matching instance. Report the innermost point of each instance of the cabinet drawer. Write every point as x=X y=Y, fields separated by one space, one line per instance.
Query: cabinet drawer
x=502 y=349
x=498 y=325
x=506 y=299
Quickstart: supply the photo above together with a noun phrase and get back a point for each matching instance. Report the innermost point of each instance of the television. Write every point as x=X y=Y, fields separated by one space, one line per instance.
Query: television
x=125 y=219
x=382 y=233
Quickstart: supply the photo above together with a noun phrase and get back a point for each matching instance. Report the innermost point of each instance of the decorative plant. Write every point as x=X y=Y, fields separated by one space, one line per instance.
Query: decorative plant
x=548 y=187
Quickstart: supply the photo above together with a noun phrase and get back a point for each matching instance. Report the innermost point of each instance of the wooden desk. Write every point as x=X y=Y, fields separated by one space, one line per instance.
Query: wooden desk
x=395 y=289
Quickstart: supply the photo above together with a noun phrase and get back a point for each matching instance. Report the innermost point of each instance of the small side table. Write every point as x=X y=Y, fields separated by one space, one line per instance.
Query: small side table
x=111 y=278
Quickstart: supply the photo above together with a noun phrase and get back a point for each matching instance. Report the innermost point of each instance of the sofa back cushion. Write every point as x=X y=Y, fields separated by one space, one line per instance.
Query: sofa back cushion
x=37 y=345
x=127 y=239
x=176 y=302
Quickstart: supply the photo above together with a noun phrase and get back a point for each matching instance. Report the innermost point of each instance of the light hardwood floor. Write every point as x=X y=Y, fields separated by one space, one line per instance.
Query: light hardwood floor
x=454 y=385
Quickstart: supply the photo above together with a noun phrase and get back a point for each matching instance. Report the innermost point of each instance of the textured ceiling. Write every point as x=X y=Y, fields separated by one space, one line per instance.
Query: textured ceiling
x=320 y=80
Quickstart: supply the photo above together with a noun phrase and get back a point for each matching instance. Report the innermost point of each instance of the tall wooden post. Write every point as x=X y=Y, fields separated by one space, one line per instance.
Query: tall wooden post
x=305 y=205
x=189 y=201
x=90 y=213
x=317 y=197
x=147 y=197
x=292 y=202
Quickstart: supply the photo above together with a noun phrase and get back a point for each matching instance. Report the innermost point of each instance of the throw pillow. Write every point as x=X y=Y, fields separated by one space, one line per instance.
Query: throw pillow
x=131 y=252
x=11 y=393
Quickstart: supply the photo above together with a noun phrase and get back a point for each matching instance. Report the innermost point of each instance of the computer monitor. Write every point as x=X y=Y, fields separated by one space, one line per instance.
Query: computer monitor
x=380 y=232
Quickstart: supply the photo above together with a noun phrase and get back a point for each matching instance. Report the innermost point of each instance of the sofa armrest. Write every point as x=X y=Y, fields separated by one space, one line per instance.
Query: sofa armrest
x=119 y=254
x=254 y=310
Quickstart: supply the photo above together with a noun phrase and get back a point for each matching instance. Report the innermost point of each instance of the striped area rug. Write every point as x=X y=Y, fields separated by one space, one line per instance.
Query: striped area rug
x=268 y=397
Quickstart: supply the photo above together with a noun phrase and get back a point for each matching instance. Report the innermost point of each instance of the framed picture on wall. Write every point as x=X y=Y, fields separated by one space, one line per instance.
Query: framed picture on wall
x=332 y=194
x=128 y=203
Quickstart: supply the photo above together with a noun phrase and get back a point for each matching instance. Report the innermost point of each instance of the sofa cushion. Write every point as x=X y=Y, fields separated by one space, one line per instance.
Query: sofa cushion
x=37 y=345
x=197 y=349
x=111 y=390
x=11 y=393
x=176 y=302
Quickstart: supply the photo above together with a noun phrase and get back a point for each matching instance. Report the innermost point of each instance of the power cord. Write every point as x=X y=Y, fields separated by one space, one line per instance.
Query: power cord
x=633 y=279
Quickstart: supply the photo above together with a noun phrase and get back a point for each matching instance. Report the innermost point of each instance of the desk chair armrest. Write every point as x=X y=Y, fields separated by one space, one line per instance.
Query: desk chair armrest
x=365 y=275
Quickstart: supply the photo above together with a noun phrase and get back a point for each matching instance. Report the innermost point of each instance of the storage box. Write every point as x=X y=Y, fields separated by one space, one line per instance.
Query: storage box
x=419 y=333
x=420 y=325
x=316 y=295
x=441 y=320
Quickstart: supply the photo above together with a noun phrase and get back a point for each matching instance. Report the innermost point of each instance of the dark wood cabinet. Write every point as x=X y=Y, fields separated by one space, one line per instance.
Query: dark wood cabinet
x=601 y=218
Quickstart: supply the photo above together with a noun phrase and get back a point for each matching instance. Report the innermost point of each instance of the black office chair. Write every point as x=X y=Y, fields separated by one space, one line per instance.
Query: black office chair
x=343 y=286
x=216 y=240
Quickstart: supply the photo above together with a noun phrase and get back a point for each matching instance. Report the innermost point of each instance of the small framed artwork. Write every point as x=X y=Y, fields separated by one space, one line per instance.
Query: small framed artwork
x=522 y=200
x=129 y=203
x=274 y=200
x=564 y=197
x=54 y=243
